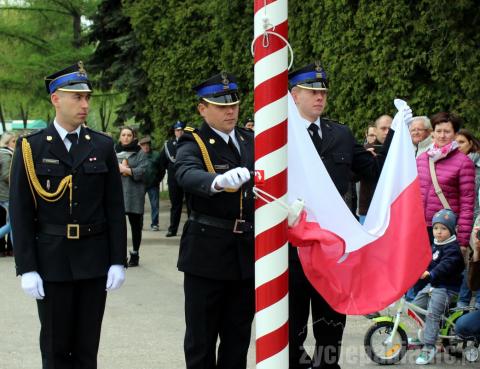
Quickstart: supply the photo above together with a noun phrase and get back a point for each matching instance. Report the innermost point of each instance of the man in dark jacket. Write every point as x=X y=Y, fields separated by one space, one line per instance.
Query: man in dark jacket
x=217 y=246
x=341 y=156
x=67 y=216
x=152 y=177
x=175 y=192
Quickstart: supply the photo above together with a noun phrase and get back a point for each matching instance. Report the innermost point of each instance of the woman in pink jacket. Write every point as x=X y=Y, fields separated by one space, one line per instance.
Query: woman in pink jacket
x=455 y=173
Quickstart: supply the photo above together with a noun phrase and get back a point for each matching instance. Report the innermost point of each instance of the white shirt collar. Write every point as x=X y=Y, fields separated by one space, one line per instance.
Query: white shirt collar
x=225 y=137
x=317 y=123
x=62 y=132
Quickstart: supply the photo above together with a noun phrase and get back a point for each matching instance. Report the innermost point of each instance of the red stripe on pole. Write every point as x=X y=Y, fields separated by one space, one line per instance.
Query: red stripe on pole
x=274 y=290
x=274 y=42
x=271 y=90
x=275 y=186
x=272 y=343
x=271 y=240
x=271 y=140
x=259 y=5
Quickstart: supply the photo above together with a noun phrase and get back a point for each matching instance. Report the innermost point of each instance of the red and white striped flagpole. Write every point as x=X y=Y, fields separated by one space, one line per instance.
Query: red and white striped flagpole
x=271 y=247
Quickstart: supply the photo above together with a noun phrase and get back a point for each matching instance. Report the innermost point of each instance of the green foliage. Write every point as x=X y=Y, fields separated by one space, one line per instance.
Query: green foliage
x=116 y=64
x=425 y=51
x=38 y=37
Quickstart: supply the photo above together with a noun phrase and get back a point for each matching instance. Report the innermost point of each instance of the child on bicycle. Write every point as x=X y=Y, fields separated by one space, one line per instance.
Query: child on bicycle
x=444 y=277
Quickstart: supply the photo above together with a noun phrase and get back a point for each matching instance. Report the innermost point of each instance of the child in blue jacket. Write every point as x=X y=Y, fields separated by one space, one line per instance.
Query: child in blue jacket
x=444 y=277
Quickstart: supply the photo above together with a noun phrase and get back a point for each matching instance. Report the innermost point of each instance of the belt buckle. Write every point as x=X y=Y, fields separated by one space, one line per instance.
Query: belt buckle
x=239 y=226
x=73 y=231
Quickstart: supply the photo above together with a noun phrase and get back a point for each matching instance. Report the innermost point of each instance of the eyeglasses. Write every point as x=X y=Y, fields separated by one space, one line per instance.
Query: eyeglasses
x=415 y=130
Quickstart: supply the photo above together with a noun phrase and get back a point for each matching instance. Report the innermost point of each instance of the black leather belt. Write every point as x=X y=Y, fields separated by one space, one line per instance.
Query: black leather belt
x=72 y=231
x=236 y=226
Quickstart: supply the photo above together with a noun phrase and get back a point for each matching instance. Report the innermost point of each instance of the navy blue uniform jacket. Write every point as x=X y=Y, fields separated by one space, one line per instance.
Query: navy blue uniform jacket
x=97 y=198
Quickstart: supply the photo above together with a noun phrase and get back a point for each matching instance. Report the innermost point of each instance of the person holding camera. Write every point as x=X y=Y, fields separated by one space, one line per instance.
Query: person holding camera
x=367 y=186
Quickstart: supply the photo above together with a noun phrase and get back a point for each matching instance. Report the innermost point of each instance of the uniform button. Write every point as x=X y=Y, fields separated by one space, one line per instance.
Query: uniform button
x=75 y=187
x=322 y=157
x=75 y=204
x=75 y=221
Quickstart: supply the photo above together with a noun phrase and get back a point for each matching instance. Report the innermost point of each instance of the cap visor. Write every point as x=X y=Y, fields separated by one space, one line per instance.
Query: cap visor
x=223 y=100
x=317 y=86
x=78 y=87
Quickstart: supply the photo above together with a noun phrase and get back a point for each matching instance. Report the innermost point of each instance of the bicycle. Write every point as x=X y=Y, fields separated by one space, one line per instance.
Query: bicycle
x=387 y=341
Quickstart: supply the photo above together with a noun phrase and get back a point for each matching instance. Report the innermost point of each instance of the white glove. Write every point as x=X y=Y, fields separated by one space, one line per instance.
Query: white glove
x=294 y=212
x=407 y=115
x=32 y=285
x=406 y=111
x=232 y=179
x=116 y=277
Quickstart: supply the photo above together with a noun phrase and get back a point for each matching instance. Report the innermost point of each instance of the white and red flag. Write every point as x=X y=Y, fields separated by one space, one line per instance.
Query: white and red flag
x=358 y=269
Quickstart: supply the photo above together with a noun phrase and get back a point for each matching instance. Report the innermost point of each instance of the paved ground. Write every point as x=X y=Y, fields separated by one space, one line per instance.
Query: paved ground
x=143 y=326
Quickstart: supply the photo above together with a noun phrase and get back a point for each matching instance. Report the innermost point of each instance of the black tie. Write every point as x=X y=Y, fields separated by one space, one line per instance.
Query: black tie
x=233 y=148
x=317 y=141
x=73 y=138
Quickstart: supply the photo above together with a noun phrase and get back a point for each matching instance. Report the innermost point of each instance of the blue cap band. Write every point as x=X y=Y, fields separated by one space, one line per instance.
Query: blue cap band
x=64 y=80
x=302 y=77
x=214 y=89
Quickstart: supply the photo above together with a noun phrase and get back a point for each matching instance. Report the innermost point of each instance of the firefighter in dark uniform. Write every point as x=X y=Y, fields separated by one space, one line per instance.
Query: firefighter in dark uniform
x=68 y=223
x=342 y=157
x=175 y=192
x=217 y=246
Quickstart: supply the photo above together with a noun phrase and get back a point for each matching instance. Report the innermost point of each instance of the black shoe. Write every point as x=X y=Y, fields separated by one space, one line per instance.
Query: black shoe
x=171 y=234
x=134 y=258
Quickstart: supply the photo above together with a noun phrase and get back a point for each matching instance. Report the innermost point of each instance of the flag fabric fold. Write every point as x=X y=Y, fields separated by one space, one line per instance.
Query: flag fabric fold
x=358 y=269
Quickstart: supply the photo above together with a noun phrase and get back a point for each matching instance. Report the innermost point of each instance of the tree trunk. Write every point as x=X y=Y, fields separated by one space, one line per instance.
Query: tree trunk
x=2 y=119
x=24 y=115
x=77 y=30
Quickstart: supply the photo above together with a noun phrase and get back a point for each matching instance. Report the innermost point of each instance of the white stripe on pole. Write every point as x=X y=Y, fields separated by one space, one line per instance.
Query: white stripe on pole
x=270 y=266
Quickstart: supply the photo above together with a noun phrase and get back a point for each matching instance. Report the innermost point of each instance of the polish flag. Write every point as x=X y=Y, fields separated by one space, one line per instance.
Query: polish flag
x=358 y=269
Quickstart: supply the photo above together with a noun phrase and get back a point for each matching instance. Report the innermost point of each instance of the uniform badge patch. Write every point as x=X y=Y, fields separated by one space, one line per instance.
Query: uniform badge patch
x=50 y=161
x=221 y=166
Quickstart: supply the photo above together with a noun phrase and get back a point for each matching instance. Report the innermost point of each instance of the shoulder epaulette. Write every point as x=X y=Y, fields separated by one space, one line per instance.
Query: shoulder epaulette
x=98 y=132
x=33 y=133
x=190 y=129
x=332 y=120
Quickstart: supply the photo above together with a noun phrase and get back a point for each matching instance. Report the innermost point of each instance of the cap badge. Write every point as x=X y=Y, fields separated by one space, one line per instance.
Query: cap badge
x=212 y=141
x=81 y=68
x=225 y=81
x=49 y=138
x=318 y=69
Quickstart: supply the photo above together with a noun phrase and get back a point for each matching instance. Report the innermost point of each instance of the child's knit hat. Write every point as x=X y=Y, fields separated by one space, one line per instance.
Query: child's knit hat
x=446 y=217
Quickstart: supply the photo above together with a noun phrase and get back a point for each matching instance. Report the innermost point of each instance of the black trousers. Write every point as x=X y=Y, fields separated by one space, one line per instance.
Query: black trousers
x=328 y=325
x=176 y=194
x=136 y=225
x=71 y=319
x=216 y=309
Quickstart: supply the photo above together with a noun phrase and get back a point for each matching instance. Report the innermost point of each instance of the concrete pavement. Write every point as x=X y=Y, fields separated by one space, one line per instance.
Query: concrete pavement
x=143 y=326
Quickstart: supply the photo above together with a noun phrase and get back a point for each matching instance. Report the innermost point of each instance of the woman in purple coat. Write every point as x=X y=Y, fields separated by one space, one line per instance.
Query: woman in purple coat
x=455 y=174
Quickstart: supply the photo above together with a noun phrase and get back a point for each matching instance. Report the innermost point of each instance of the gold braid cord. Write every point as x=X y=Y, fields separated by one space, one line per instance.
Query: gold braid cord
x=35 y=186
x=206 y=158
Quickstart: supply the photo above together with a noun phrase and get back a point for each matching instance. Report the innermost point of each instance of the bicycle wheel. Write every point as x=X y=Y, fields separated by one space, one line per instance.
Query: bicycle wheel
x=381 y=352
